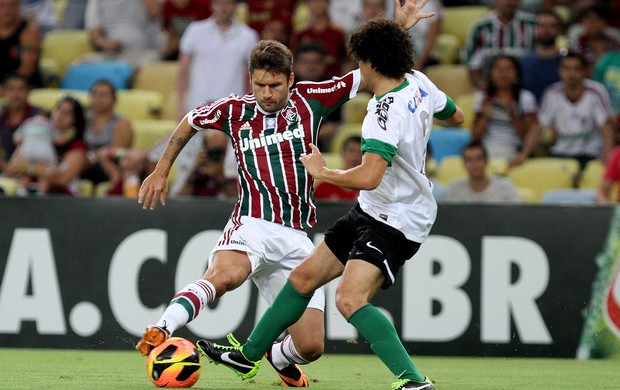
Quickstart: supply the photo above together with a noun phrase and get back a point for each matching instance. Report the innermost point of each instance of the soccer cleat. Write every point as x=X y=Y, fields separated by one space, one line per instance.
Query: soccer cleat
x=152 y=337
x=229 y=355
x=291 y=375
x=410 y=384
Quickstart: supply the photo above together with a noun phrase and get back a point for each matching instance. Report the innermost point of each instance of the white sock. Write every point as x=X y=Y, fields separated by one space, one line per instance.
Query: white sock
x=186 y=304
x=285 y=353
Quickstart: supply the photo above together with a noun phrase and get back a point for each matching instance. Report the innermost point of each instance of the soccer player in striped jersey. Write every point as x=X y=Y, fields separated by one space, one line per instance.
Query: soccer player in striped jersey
x=265 y=237
x=394 y=214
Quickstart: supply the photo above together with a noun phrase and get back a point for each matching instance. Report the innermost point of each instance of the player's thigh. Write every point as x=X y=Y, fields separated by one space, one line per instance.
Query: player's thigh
x=318 y=269
x=359 y=283
x=228 y=270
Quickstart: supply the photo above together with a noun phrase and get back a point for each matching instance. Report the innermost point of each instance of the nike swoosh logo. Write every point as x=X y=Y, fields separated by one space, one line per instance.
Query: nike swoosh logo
x=368 y=244
x=224 y=357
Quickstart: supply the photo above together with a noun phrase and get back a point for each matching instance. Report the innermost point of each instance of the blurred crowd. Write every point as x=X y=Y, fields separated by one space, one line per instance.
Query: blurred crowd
x=540 y=81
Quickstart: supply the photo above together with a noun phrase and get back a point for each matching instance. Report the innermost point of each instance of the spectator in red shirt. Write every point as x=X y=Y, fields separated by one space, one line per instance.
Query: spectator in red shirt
x=261 y=12
x=351 y=154
x=320 y=29
x=177 y=15
x=611 y=175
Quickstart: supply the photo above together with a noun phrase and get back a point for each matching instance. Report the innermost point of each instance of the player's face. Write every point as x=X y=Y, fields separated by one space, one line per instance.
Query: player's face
x=270 y=89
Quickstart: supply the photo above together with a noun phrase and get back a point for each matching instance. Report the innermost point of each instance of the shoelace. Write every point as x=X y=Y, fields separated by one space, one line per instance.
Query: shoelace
x=234 y=344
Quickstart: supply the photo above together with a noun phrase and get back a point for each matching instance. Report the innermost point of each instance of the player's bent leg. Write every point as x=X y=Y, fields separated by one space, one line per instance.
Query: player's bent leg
x=228 y=270
x=304 y=344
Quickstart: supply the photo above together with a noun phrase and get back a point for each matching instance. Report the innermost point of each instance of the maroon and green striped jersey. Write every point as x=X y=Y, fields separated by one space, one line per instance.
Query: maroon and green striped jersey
x=273 y=183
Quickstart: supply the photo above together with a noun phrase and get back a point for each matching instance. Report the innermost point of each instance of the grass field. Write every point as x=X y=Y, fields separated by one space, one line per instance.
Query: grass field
x=80 y=369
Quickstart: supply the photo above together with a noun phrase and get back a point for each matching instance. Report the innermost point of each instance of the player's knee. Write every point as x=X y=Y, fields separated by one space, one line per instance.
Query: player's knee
x=347 y=304
x=301 y=279
x=311 y=349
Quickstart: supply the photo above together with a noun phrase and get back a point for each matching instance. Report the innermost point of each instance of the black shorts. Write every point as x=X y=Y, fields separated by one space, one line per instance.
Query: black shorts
x=357 y=235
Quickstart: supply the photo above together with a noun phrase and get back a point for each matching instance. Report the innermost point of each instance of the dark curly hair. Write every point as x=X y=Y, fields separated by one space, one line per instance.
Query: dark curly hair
x=383 y=44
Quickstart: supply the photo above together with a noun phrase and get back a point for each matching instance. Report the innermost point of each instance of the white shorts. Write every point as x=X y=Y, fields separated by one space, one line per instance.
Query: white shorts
x=273 y=249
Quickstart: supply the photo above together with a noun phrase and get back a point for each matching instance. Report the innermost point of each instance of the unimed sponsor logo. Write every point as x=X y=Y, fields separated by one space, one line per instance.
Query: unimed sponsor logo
x=340 y=84
x=266 y=140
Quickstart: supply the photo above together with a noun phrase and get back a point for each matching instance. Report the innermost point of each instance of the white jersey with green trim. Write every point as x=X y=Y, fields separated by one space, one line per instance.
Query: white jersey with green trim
x=397 y=126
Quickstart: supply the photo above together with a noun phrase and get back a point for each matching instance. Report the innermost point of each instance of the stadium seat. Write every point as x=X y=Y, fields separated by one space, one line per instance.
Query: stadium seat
x=447 y=141
x=138 y=104
x=354 y=110
x=569 y=195
x=451 y=79
x=458 y=20
x=160 y=76
x=60 y=48
x=8 y=186
x=86 y=188
x=148 y=132
x=344 y=132
x=545 y=173
x=466 y=103
x=527 y=195
x=447 y=48
x=46 y=98
x=452 y=168
x=592 y=175
x=333 y=160
x=83 y=75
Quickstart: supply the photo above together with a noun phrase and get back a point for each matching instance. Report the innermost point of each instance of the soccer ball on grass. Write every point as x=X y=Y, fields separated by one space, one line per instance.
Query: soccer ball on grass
x=175 y=363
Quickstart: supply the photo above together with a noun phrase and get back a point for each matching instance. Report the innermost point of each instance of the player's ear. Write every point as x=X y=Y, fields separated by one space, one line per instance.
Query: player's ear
x=291 y=80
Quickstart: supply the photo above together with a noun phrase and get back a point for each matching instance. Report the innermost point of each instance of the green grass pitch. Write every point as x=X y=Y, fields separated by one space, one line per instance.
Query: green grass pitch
x=85 y=369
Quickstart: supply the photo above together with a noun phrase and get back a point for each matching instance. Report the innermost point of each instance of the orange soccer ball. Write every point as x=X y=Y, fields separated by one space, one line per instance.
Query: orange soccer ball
x=175 y=363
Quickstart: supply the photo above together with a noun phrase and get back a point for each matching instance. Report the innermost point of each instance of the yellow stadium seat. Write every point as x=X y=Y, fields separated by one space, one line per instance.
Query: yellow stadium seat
x=333 y=160
x=46 y=98
x=545 y=173
x=458 y=20
x=300 y=16
x=527 y=195
x=61 y=47
x=139 y=104
x=354 y=110
x=8 y=186
x=160 y=76
x=148 y=132
x=86 y=188
x=466 y=103
x=101 y=189
x=451 y=168
x=451 y=79
x=592 y=175
x=447 y=48
x=344 y=132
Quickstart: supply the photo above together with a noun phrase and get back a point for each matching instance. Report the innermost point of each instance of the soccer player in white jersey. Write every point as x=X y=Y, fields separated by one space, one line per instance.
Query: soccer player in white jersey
x=264 y=238
x=394 y=214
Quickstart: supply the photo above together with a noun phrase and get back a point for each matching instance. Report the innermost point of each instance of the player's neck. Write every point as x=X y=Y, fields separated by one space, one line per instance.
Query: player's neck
x=382 y=85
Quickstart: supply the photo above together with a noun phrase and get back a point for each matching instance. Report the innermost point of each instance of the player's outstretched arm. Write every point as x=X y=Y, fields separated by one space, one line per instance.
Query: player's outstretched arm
x=410 y=13
x=365 y=176
x=155 y=186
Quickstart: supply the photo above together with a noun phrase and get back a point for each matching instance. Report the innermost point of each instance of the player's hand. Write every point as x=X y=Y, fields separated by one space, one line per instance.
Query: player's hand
x=410 y=13
x=154 y=187
x=313 y=162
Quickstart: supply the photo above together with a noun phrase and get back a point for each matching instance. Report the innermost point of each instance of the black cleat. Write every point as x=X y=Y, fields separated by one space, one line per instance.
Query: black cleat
x=410 y=384
x=229 y=355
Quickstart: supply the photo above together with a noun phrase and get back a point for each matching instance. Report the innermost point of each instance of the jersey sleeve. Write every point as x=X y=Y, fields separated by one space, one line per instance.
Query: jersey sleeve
x=381 y=129
x=210 y=116
x=326 y=96
x=527 y=102
x=545 y=114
